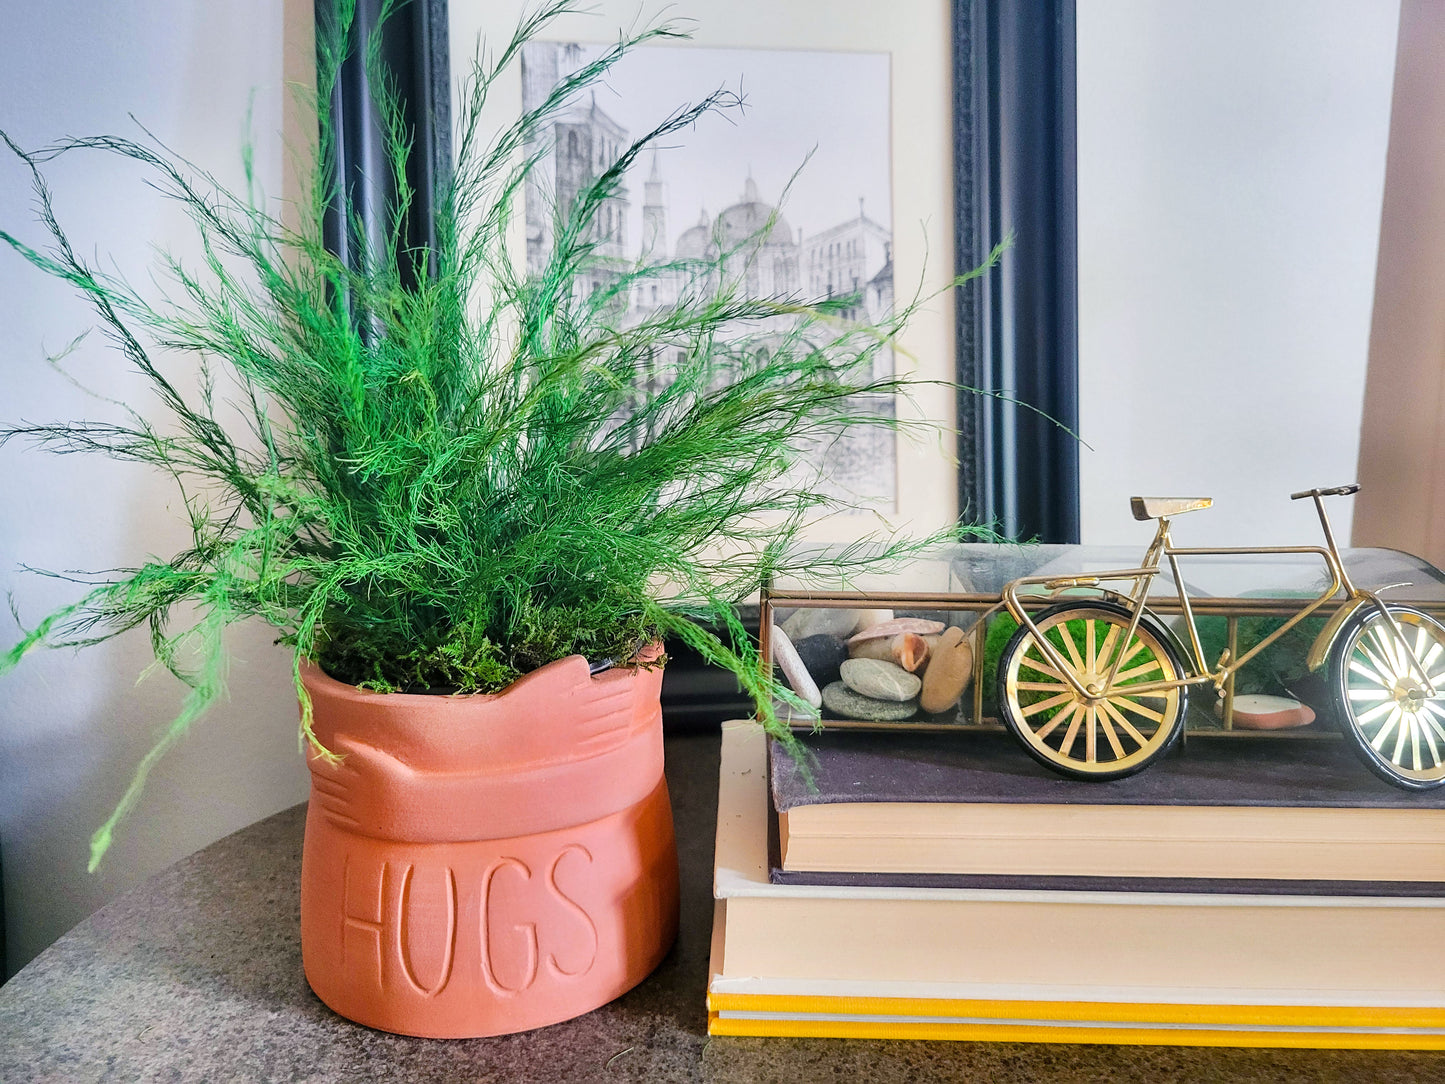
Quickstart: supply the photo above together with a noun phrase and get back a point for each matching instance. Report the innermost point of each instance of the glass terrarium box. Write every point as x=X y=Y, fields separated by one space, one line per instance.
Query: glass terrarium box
x=1243 y=638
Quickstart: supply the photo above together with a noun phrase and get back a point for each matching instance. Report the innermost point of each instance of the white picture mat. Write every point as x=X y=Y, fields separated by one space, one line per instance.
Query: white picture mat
x=918 y=35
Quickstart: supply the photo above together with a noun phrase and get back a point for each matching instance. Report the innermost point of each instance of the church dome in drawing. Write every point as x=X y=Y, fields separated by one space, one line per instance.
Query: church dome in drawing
x=695 y=242
x=746 y=222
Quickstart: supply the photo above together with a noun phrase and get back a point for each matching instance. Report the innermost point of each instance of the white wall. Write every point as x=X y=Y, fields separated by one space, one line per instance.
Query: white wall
x=73 y=726
x=1231 y=168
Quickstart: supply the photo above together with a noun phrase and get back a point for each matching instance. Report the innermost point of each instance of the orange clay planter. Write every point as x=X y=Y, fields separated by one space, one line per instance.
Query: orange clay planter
x=479 y=865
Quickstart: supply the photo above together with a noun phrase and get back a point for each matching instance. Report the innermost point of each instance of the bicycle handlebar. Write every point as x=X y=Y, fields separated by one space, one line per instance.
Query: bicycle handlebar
x=1337 y=491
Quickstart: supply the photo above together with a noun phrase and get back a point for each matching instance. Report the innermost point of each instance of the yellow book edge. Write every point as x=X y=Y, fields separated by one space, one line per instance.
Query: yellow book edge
x=1004 y=1032
x=1089 y=1012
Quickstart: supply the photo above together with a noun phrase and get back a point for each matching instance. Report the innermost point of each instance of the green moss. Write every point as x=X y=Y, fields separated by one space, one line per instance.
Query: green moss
x=1000 y=629
x=1278 y=668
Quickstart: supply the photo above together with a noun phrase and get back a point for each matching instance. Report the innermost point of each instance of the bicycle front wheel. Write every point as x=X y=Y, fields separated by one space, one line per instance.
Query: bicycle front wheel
x=1385 y=710
x=1110 y=733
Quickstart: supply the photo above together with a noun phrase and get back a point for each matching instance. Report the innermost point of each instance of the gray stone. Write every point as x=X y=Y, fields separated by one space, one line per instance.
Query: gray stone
x=841 y=700
x=880 y=680
x=786 y=658
x=822 y=655
x=817 y=620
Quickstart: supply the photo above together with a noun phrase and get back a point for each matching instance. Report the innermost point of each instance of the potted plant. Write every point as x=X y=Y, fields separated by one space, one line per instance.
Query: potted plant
x=473 y=503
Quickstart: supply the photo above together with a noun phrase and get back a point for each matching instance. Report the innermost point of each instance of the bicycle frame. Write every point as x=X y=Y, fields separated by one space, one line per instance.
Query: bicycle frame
x=1162 y=548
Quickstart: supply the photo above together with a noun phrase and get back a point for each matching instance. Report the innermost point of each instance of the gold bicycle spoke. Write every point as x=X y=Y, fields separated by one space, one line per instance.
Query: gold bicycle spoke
x=1106 y=649
x=1072 y=732
x=1367 y=672
x=1388 y=648
x=1370 y=694
x=1139 y=709
x=1129 y=728
x=1431 y=657
x=1072 y=648
x=1413 y=653
x=1433 y=719
x=1428 y=650
x=1428 y=730
x=1090 y=739
x=1045 y=705
x=1415 y=742
x=1400 y=735
x=1141 y=669
x=1422 y=635
x=1041 y=667
x=1377 y=657
x=1091 y=656
x=1059 y=718
x=1368 y=717
x=1107 y=726
x=1042 y=687
x=1385 y=729
x=1436 y=677
x=1131 y=652
x=1436 y=647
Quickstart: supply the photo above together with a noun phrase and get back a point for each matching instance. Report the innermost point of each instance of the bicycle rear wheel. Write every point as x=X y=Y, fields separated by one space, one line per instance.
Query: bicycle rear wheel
x=1395 y=727
x=1096 y=737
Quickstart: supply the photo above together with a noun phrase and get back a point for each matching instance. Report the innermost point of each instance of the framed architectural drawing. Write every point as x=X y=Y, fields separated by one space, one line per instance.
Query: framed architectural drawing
x=793 y=185
x=841 y=155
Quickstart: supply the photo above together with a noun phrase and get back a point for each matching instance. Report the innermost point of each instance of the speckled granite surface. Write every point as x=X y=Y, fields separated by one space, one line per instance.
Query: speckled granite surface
x=196 y=976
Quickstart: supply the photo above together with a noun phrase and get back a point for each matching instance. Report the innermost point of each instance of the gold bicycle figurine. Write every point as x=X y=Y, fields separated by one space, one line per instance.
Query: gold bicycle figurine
x=1095 y=688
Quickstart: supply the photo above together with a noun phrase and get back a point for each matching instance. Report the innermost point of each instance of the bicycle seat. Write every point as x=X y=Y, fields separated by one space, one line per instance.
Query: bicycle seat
x=1164 y=507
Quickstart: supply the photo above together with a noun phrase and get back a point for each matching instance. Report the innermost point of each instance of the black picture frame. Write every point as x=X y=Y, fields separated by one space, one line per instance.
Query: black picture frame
x=1017 y=330
x=413 y=49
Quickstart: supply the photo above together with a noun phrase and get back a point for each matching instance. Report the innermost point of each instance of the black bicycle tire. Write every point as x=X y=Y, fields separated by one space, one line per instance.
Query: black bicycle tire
x=1380 y=765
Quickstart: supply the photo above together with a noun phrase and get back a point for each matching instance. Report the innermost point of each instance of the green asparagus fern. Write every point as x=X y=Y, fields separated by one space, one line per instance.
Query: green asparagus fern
x=445 y=473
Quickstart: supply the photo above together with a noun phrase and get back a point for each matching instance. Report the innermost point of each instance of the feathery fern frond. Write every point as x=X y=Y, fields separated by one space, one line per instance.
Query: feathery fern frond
x=438 y=472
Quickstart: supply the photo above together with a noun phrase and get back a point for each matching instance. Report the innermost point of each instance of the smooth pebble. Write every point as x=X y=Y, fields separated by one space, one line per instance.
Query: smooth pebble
x=907 y=649
x=841 y=700
x=880 y=680
x=786 y=657
x=949 y=668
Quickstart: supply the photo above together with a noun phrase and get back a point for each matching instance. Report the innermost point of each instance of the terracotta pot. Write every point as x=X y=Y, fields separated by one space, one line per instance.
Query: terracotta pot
x=479 y=865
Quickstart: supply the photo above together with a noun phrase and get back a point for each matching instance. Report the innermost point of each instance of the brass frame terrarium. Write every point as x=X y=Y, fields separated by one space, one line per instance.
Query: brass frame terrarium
x=1094 y=680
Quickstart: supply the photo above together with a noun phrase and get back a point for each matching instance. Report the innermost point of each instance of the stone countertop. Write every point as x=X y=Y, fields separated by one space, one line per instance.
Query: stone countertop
x=196 y=976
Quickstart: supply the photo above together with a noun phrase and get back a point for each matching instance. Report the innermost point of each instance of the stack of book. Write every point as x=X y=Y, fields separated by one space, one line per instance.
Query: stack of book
x=940 y=886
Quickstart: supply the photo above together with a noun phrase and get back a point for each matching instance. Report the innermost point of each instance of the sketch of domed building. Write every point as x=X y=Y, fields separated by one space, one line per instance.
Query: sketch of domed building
x=750 y=242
